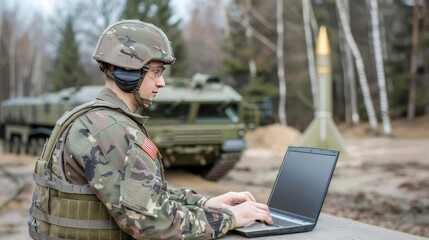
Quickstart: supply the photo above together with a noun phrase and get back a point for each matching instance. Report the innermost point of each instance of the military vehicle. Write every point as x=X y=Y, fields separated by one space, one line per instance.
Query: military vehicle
x=198 y=124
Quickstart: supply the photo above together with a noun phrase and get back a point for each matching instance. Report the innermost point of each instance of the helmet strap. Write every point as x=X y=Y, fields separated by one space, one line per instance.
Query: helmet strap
x=141 y=101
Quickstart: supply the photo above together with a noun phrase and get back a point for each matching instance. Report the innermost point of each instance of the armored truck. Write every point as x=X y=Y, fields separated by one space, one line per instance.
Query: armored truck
x=198 y=124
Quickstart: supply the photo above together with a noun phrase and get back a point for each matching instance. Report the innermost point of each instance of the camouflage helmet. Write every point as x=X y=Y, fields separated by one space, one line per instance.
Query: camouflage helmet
x=131 y=44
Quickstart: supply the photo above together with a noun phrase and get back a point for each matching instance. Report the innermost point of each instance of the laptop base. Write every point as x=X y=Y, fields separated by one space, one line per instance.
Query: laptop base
x=258 y=229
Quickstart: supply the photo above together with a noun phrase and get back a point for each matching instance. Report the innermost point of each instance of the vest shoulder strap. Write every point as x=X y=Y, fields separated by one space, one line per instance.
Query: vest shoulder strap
x=66 y=120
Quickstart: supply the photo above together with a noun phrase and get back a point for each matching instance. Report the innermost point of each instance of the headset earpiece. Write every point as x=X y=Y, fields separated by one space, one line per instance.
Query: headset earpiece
x=126 y=80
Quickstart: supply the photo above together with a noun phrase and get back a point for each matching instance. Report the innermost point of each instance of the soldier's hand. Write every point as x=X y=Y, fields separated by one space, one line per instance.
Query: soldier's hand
x=250 y=211
x=229 y=199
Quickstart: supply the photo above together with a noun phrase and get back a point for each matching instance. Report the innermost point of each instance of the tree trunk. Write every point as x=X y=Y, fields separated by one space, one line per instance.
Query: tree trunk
x=313 y=23
x=411 y=109
x=3 y=84
x=224 y=14
x=345 y=62
x=280 y=63
x=249 y=36
x=426 y=60
x=21 y=73
x=12 y=64
x=359 y=66
x=350 y=96
x=378 y=55
x=310 y=51
x=36 y=75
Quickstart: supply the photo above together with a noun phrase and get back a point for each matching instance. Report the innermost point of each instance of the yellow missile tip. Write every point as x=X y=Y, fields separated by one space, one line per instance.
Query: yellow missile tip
x=322 y=46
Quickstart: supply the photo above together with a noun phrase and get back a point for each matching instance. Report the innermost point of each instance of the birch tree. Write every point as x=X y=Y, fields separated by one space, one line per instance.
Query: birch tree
x=23 y=68
x=38 y=69
x=310 y=51
x=36 y=78
x=350 y=95
x=369 y=106
x=249 y=36
x=12 y=63
x=280 y=63
x=378 y=55
x=224 y=16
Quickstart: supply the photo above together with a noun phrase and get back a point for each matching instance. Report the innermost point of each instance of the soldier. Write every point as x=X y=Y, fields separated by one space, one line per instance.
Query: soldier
x=101 y=177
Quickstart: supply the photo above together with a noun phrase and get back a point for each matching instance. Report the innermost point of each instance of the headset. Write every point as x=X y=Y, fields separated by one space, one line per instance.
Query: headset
x=127 y=80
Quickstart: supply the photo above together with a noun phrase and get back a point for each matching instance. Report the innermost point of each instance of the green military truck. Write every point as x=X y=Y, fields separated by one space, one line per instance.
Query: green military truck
x=198 y=124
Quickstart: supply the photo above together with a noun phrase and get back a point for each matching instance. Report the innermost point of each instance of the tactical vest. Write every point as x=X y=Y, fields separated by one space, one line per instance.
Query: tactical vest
x=61 y=210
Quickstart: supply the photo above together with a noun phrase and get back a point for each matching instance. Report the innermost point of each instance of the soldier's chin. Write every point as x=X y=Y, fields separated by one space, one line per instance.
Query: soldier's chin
x=147 y=103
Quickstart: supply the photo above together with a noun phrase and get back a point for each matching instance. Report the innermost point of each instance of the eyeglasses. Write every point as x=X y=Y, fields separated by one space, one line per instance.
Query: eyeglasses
x=155 y=72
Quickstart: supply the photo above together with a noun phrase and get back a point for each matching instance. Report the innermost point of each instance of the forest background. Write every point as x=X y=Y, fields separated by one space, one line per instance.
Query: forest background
x=265 y=49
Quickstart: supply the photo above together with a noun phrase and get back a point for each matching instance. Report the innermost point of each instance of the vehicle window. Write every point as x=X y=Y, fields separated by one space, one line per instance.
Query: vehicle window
x=169 y=111
x=218 y=113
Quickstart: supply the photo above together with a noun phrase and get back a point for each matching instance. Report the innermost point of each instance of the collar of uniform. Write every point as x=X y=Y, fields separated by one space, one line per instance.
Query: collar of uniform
x=109 y=96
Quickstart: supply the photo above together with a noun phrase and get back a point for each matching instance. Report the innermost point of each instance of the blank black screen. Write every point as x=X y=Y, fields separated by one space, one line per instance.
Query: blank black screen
x=302 y=183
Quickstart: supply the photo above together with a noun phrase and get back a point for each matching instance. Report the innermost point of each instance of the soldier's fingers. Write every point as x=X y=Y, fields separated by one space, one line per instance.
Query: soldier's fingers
x=249 y=195
x=264 y=216
x=239 y=197
x=262 y=206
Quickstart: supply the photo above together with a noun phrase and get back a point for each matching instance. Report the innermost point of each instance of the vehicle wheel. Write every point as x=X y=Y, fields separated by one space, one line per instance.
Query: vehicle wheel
x=15 y=145
x=6 y=146
x=226 y=162
x=33 y=146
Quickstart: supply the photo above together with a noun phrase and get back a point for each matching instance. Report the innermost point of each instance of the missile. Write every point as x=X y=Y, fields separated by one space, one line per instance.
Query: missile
x=322 y=131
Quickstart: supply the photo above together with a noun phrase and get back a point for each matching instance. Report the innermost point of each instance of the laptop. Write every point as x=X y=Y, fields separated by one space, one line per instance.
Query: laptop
x=298 y=193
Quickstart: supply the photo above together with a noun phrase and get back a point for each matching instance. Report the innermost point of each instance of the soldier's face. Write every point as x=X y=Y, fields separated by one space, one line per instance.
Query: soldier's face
x=153 y=81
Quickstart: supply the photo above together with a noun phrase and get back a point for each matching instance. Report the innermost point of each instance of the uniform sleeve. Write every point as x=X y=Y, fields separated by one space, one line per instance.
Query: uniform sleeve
x=128 y=181
x=188 y=196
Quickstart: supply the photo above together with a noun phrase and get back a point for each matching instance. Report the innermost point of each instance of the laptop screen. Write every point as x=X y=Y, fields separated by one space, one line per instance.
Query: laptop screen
x=303 y=181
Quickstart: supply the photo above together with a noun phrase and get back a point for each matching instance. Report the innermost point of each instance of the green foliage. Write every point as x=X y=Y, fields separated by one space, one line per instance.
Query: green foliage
x=158 y=12
x=235 y=63
x=67 y=70
x=256 y=91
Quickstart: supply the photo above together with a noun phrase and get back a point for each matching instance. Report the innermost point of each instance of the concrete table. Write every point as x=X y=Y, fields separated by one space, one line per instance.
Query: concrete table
x=330 y=228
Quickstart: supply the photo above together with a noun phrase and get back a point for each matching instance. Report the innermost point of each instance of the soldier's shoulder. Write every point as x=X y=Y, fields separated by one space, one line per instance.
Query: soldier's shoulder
x=108 y=116
x=100 y=119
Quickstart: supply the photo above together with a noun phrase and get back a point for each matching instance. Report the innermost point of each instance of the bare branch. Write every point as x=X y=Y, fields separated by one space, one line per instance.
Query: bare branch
x=260 y=17
x=267 y=42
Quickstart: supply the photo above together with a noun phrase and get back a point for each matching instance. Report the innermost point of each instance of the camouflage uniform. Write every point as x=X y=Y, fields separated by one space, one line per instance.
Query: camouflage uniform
x=100 y=176
x=110 y=150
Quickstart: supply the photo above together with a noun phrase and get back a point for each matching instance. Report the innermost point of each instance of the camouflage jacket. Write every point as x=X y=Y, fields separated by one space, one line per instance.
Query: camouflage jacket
x=109 y=150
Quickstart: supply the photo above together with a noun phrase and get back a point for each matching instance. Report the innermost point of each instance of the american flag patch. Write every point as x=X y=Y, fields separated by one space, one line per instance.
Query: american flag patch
x=150 y=148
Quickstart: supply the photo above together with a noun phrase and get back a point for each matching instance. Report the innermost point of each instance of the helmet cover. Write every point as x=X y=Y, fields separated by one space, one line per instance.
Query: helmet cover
x=131 y=44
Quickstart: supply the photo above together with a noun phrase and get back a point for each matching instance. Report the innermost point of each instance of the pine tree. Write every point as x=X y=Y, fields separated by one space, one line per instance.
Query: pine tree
x=67 y=70
x=158 y=12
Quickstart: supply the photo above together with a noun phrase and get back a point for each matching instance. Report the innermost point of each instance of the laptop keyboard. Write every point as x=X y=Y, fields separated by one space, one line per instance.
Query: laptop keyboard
x=282 y=222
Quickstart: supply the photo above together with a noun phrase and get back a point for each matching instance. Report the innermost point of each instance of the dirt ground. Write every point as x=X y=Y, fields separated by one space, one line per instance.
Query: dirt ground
x=383 y=181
